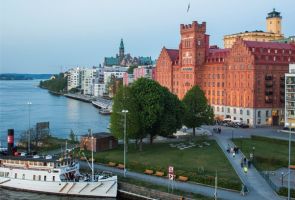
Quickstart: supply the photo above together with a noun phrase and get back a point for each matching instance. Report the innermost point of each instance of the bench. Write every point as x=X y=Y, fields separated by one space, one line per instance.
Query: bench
x=158 y=173
x=120 y=166
x=83 y=158
x=111 y=164
x=148 y=171
x=183 y=178
x=292 y=166
x=90 y=160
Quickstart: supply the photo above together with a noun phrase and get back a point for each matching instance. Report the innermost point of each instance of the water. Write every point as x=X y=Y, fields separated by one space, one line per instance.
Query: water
x=63 y=114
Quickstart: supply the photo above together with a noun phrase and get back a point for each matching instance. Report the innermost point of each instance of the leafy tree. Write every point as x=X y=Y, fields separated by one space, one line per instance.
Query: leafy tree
x=159 y=110
x=59 y=84
x=197 y=110
x=123 y=100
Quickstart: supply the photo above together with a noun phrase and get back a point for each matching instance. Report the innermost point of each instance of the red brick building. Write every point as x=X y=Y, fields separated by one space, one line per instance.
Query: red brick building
x=244 y=83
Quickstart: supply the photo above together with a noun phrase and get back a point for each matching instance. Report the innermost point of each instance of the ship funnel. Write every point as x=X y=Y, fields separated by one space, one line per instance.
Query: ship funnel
x=10 y=141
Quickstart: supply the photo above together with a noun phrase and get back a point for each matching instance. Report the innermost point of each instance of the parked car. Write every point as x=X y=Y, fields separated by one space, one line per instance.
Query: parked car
x=244 y=126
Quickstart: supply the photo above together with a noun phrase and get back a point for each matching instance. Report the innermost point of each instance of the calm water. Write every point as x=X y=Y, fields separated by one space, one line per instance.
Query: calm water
x=63 y=113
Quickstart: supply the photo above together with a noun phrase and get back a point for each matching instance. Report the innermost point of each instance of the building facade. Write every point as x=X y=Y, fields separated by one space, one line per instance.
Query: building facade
x=88 y=76
x=290 y=96
x=244 y=83
x=123 y=59
x=74 y=78
x=273 y=31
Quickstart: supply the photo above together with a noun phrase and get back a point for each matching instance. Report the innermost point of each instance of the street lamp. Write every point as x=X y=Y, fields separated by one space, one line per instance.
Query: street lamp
x=29 y=133
x=125 y=112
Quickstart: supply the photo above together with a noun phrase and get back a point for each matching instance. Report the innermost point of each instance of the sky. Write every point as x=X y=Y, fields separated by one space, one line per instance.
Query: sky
x=50 y=36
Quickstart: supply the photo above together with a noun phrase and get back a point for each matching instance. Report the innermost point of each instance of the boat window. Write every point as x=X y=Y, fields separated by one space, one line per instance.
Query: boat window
x=53 y=178
x=23 y=176
x=15 y=175
x=1 y=173
x=34 y=177
x=6 y=174
x=39 y=177
x=44 y=178
x=44 y=164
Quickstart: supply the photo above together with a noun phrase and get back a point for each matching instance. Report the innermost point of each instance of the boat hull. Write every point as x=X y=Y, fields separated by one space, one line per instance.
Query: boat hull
x=102 y=188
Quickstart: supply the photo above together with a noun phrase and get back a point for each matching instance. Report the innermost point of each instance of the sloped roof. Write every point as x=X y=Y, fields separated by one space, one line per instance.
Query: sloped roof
x=173 y=54
x=271 y=45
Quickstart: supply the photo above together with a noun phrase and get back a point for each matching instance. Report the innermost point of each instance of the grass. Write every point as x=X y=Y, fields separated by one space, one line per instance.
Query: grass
x=270 y=154
x=199 y=164
x=162 y=188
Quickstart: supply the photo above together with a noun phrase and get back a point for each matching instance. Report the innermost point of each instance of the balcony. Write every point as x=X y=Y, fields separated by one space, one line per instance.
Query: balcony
x=290 y=98
x=268 y=100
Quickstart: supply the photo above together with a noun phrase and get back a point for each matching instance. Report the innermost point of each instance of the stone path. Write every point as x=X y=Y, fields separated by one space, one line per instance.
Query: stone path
x=258 y=187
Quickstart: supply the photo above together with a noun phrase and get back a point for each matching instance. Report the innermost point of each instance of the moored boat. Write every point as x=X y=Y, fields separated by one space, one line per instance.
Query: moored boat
x=52 y=175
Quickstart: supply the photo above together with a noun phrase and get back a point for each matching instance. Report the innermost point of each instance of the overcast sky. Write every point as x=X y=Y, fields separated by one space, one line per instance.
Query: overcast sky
x=40 y=36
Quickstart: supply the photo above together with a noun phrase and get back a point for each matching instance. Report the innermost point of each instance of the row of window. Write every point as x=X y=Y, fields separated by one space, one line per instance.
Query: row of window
x=234 y=111
x=264 y=50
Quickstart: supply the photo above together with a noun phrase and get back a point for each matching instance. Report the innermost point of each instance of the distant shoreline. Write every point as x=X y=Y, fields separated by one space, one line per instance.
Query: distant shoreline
x=14 y=77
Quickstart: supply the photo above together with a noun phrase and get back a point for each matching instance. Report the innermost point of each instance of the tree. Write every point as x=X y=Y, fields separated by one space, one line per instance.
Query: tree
x=124 y=100
x=159 y=110
x=72 y=136
x=197 y=111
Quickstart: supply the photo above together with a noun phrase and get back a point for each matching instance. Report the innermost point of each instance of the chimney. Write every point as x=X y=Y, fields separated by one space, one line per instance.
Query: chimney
x=10 y=141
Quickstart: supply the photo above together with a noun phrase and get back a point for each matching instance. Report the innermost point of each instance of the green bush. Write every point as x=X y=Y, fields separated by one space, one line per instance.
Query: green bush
x=283 y=191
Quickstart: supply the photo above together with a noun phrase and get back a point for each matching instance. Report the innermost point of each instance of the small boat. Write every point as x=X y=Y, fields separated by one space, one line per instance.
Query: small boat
x=105 y=111
x=52 y=175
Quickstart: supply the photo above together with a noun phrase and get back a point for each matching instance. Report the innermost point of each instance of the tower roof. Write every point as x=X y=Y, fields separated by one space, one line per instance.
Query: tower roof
x=274 y=14
x=121 y=44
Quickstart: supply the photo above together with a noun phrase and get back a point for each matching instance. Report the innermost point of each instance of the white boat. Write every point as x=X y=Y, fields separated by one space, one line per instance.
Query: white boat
x=54 y=176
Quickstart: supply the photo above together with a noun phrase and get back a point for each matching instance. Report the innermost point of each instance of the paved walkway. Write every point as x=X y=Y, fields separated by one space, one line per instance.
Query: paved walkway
x=188 y=187
x=258 y=187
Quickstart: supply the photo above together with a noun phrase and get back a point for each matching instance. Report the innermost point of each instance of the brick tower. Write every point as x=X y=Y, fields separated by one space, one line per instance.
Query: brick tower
x=193 y=50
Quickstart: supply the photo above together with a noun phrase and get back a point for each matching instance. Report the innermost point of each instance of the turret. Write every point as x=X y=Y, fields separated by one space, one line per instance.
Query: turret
x=273 y=22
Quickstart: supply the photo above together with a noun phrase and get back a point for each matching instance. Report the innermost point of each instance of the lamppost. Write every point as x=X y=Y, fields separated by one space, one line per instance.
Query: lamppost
x=29 y=133
x=125 y=112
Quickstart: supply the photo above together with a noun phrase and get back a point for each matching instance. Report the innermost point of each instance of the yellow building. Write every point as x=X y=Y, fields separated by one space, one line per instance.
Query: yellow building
x=273 y=31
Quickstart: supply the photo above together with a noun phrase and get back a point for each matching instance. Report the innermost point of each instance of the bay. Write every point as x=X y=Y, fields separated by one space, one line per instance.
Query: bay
x=63 y=114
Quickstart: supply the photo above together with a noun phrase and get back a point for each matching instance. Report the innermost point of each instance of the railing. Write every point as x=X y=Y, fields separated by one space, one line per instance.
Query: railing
x=268 y=77
x=268 y=85
x=266 y=176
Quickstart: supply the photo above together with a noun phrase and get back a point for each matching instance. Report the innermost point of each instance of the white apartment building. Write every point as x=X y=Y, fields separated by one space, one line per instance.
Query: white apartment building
x=88 y=76
x=116 y=71
x=74 y=78
x=290 y=96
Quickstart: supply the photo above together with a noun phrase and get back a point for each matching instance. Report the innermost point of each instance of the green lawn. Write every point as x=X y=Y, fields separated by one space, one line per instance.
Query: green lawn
x=269 y=154
x=199 y=164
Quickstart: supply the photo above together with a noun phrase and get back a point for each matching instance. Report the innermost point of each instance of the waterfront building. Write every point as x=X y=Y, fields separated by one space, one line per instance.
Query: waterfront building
x=290 y=95
x=146 y=71
x=99 y=89
x=88 y=76
x=74 y=78
x=273 y=31
x=244 y=83
x=123 y=59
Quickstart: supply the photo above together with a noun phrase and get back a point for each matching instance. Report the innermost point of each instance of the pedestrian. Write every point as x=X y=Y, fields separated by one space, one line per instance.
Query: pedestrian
x=242 y=164
x=234 y=154
x=245 y=160
x=245 y=169
x=249 y=163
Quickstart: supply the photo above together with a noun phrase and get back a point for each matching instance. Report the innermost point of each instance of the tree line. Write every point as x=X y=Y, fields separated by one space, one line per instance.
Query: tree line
x=153 y=110
x=57 y=84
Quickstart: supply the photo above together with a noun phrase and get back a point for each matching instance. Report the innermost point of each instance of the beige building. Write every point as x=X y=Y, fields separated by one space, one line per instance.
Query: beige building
x=273 y=31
